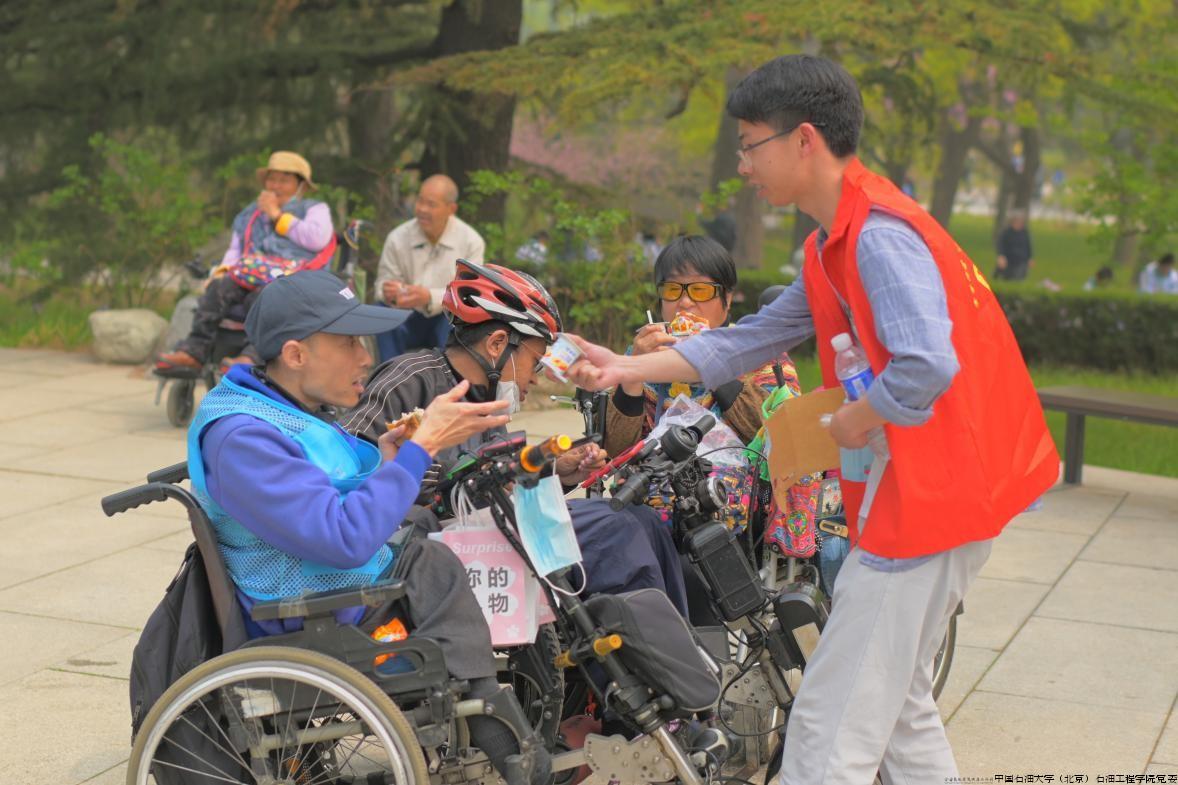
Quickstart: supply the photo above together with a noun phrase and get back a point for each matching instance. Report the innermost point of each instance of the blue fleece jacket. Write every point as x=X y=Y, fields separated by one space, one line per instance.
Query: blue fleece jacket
x=260 y=477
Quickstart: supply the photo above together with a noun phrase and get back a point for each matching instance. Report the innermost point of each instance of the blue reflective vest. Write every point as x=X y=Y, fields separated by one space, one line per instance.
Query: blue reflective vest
x=260 y=570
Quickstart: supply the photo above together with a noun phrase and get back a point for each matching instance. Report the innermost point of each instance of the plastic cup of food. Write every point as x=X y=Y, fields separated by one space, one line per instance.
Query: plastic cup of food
x=561 y=356
x=685 y=325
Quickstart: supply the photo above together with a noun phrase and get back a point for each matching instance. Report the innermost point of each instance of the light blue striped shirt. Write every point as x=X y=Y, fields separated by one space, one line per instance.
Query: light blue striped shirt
x=912 y=322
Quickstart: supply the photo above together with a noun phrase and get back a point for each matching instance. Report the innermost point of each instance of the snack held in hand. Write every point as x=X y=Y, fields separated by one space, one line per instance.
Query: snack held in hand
x=686 y=324
x=410 y=420
x=560 y=357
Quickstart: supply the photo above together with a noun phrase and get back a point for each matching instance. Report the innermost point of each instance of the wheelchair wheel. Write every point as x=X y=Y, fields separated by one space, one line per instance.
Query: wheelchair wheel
x=272 y=714
x=538 y=683
x=181 y=400
x=944 y=659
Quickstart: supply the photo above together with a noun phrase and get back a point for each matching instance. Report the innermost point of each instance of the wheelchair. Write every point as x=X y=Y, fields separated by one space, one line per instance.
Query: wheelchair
x=230 y=339
x=319 y=706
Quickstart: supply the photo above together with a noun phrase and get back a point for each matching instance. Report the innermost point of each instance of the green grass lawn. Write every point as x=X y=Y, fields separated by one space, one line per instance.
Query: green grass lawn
x=1150 y=449
x=1063 y=252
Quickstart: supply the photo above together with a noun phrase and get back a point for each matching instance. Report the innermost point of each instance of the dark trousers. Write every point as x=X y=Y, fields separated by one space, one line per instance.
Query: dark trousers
x=418 y=332
x=626 y=551
x=442 y=608
x=222 y=299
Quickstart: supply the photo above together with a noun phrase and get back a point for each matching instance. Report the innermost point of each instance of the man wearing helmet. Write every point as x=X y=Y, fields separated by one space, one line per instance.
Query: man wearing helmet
x=503 y=322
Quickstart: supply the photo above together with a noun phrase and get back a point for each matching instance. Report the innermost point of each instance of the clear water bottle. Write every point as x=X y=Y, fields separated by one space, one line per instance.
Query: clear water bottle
x=854 y=372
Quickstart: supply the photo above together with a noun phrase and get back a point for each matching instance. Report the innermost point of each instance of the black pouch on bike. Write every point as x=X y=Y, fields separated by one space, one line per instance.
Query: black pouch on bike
x=658 y=646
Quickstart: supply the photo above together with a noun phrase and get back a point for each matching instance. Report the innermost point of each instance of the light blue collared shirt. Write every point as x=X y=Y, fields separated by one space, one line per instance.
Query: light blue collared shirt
x=912 y=322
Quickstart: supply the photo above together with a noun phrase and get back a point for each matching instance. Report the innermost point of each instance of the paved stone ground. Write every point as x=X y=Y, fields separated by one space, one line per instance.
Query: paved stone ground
x=1067 y=659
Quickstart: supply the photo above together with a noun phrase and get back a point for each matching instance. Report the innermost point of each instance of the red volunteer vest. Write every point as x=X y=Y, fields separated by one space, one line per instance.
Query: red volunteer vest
x=986 y=453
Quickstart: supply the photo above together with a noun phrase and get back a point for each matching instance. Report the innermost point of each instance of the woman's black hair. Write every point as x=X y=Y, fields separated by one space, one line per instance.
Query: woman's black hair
x=699 y=253
x=802 y=88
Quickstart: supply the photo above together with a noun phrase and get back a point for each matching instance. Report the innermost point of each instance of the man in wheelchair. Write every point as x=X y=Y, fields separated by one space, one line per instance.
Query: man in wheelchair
x=503 y=323
x=298 y=505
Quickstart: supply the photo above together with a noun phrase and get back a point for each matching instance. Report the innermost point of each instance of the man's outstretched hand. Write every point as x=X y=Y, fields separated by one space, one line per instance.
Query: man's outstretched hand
x=597 y=369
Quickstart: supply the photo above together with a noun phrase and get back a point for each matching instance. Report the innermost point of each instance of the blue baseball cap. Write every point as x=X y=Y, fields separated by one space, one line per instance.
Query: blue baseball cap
x=297 y=306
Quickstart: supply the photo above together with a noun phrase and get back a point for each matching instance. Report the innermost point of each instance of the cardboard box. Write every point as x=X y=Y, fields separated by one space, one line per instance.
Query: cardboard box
x=799 y=444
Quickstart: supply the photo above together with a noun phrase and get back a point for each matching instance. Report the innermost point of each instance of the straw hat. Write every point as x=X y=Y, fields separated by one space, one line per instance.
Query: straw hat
x=283 y=161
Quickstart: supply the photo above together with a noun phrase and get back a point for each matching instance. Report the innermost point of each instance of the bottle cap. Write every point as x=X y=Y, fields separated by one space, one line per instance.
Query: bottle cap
x=841 y=342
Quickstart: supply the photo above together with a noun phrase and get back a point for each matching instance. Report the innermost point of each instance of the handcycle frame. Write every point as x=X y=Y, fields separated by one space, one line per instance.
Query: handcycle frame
x=484 y=475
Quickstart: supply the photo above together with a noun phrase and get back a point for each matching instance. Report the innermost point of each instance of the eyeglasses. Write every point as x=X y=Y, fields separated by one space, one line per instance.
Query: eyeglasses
x=538 y=368
x=743 y=152
x=699 y=292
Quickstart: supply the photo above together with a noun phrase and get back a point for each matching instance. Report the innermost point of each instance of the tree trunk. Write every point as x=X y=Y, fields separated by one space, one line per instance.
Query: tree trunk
x=473 y=131
x=750 y=231
x=725 y=159
x=955 y=146
x=1024 y=181
x=372 y=118
x=804 y=226
x=1017 y=186
x=1002 y=202
x=1125 y=249
x=897 y=172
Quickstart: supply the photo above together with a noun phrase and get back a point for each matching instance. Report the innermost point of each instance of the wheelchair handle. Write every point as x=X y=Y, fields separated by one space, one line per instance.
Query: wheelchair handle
x=146 y=494
x=126 y=500
x=177 y=472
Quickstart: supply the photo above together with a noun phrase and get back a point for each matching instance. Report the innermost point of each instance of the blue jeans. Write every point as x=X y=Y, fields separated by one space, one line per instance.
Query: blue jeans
x=418 y=332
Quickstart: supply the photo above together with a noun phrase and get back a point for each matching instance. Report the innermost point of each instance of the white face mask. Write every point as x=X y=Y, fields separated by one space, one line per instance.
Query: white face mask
x=509 y=391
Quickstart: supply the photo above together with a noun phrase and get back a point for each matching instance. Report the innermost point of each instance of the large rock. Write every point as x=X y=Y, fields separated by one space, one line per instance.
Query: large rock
x=126 y=336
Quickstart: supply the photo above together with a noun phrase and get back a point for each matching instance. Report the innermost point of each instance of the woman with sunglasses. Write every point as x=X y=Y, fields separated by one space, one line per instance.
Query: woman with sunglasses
x=696 y=275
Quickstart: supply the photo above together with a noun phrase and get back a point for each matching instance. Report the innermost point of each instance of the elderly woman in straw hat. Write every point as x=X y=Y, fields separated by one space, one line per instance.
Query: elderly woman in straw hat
x=279 y=233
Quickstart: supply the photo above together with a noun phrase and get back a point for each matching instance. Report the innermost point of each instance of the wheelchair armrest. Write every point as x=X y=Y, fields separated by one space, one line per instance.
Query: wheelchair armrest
x=323 y=603
x=177 y=472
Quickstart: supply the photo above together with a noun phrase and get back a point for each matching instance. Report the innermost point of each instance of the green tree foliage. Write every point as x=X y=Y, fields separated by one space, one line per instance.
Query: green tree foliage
x=954 y=60
x=115 y=229
x=617 y=275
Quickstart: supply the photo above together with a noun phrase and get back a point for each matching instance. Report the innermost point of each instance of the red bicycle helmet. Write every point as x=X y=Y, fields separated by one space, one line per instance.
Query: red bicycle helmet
x=485 y=292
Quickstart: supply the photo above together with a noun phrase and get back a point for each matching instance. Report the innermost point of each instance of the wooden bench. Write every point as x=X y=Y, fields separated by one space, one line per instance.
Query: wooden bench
x=1078 y=402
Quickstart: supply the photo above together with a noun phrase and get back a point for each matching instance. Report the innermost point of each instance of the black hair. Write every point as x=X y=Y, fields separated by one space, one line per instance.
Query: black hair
x=471 y=334
x=1105 y=273
x=794 y=89
x=699 y=253
x=1166 y=259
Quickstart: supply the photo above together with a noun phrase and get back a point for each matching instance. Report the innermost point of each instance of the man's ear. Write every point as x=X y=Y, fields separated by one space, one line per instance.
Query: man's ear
x=293 y=354
x=495 y=345
x=810 y=138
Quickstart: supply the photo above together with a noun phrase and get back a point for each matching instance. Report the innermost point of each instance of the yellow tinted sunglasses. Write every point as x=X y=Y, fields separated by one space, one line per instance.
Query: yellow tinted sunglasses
x=698 y=292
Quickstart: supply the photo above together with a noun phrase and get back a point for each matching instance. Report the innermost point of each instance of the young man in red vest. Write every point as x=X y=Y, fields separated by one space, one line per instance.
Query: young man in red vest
x=969 y=448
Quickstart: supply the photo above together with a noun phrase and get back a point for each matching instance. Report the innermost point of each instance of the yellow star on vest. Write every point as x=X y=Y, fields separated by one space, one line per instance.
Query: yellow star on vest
x=981 y=278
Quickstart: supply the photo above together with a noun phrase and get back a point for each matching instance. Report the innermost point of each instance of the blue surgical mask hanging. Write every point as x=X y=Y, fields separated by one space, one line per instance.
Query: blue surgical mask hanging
x=545 y=525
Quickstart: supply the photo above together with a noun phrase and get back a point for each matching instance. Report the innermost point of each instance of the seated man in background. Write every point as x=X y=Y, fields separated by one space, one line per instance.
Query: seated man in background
x=278 y=233
x=298 y=505
x=503 y=323
x=418 y=261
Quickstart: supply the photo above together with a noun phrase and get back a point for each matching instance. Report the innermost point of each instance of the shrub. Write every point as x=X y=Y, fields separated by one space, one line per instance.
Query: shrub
x=116 y=224
x=602 y=298
x=1102 y=330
